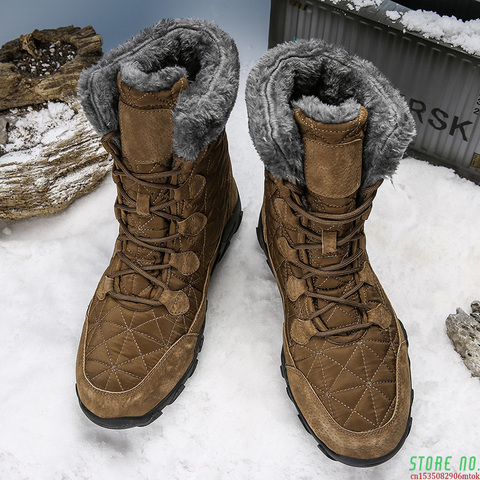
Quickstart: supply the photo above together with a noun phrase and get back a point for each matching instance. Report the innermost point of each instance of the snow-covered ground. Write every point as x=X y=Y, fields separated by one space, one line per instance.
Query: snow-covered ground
x=234 y=419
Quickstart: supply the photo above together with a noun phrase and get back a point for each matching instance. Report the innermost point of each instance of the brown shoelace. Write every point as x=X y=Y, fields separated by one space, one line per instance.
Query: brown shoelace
x=348 y=265
x=149 y=180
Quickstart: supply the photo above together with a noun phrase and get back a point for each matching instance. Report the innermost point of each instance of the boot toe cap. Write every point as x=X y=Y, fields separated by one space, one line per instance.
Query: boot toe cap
x=355 y=439
x=158 y=388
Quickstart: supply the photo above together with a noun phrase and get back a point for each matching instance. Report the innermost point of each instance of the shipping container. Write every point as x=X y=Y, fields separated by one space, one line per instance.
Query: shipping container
x=440 y=82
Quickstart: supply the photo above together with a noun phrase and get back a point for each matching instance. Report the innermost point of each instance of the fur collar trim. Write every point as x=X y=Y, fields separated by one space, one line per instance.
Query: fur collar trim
x=291 y=72
x=153 y=61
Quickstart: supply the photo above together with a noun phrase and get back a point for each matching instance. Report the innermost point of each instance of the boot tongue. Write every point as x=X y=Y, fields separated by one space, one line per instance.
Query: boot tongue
x=333 y=155
x=333 y=143
x=146 y=129
x=146 y=126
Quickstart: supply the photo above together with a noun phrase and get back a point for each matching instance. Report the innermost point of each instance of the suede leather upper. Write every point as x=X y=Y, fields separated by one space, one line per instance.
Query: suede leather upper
x=132 y=354
x=353 y=388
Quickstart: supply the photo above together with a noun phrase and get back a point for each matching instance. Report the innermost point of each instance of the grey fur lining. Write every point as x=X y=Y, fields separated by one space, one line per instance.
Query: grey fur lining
x=153 y=60
x=317 y=110
x=133 y=75
x=313 y=67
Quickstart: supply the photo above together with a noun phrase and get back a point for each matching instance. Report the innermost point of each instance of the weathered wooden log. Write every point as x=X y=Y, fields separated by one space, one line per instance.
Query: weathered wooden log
x=45 y=64
x=49 y=153
x=53 y=157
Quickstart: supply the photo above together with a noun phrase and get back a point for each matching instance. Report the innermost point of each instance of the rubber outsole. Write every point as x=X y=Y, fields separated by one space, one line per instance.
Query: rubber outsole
x=351 y=461
x=129 y=422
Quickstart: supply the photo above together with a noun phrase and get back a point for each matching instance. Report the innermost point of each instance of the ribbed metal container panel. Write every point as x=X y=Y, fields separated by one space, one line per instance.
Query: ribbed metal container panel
x=441 y=83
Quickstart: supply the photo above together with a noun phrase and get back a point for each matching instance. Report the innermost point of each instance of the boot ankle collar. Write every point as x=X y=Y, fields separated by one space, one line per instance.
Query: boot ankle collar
x=305 y=67
x=201 y=111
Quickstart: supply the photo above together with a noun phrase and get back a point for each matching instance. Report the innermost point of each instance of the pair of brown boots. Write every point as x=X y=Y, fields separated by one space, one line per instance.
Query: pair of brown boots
x=329 y=127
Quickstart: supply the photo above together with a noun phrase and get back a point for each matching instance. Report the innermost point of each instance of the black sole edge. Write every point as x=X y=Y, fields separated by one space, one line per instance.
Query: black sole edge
x=351 y=461
x=119 y=423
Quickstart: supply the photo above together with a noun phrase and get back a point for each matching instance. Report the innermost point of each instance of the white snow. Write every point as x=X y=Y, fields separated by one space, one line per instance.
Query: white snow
x=448 y=29
x=444 y=28
x=42 y=126
x=234 y=419
x=393 y=15
x=358 y=4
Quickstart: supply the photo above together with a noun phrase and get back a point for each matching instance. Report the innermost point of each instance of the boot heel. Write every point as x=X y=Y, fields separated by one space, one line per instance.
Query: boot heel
x=261 y=241
x=229 y=231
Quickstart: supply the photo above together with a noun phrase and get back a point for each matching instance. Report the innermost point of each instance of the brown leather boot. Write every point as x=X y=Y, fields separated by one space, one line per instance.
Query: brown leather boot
x=177 y=206
x=329 y=128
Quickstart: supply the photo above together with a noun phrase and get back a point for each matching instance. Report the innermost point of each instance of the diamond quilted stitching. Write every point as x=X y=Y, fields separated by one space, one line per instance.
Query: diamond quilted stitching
x=352 y=379
x=124 y=345
x=365 y=382
x=355 y=382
